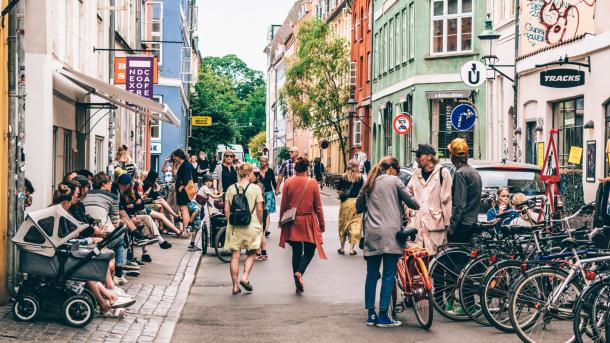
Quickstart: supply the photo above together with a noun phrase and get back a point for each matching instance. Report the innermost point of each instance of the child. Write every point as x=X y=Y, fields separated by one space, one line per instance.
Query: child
x=194 y=223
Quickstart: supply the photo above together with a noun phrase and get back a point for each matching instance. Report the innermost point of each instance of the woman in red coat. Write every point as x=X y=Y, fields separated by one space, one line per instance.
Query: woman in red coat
x=305 y=233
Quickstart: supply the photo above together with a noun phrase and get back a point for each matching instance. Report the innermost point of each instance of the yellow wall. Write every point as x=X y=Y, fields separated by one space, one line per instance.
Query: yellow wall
x=3 y=156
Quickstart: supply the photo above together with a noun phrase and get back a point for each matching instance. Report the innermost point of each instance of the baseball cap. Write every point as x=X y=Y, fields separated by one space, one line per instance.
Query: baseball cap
x=458 y=147
x=125 y=179
x=118 y=172
x=425 y=149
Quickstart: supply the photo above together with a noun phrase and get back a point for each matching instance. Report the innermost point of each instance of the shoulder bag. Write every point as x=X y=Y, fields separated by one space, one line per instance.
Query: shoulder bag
x=290 y=214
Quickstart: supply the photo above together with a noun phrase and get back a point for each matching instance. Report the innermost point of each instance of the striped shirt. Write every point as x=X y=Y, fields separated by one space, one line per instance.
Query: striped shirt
x=102 y=205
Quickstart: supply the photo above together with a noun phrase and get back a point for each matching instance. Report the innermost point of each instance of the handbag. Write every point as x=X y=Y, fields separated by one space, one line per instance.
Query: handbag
x=190 y=189
x=290 y=214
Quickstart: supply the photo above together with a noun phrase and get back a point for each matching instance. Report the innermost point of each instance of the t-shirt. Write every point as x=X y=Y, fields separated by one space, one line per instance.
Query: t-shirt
x=229 y=177
x=254 y=195
x=426 y=174
x=207 y=191
x=203 y=165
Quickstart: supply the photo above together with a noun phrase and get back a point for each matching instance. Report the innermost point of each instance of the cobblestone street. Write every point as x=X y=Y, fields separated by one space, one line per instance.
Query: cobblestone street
x=160 y=292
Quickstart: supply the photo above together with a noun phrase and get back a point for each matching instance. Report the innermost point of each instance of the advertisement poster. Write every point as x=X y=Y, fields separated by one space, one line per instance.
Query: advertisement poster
x=544 y=23
x=540 y=154
x=575 y=155
x=590 y=161
x=139 y=75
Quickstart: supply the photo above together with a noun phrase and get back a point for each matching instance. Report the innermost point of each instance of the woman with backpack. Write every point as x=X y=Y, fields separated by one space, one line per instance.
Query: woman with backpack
x=244 y=212
x=350 y=222
x=302 y=220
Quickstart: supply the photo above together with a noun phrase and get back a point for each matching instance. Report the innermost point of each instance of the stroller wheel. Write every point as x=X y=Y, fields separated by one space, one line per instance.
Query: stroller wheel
x=26 y=308
x=77 y=311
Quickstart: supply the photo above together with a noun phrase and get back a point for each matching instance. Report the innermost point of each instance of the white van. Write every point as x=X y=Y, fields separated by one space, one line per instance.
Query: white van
x=236 y=148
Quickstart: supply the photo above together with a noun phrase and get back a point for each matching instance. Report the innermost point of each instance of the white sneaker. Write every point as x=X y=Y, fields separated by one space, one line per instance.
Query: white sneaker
x=120 y=281
x=123 y=302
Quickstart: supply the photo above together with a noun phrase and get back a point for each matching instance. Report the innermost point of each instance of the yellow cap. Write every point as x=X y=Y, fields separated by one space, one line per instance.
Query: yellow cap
x=118 y=172
x=458 y=147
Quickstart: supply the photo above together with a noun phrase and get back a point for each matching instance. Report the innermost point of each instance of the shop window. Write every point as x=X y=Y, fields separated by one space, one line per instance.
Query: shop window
x=445 y=131
x=451 y=26
x=568 y=117
x=387 y=129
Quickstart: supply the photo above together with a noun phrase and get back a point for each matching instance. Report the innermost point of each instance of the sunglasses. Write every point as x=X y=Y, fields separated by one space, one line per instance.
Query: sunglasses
x=231 y=156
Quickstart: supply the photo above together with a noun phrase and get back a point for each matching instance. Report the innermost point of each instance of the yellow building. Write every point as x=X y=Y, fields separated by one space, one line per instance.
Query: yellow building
x=3 y=158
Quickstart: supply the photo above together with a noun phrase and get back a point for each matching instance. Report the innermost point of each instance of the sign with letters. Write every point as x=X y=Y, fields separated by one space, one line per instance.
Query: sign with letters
x=120 y=70
x=139 y=75
x=562 y=78
x=201 y=121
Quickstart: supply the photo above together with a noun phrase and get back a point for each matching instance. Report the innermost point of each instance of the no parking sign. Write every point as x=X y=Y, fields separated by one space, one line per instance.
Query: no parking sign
x=402 y=124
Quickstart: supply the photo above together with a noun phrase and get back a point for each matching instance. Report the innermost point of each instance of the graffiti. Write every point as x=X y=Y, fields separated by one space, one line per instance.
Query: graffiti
x=549 y=22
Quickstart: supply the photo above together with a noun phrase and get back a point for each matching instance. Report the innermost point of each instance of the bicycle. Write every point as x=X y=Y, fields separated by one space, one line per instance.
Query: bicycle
x=413 y=283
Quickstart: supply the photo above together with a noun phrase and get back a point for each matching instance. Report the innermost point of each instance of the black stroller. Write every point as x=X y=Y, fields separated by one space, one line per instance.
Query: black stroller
x=55 y=269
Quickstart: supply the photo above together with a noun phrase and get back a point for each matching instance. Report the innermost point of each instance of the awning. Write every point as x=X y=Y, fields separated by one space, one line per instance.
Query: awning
x=121 y=97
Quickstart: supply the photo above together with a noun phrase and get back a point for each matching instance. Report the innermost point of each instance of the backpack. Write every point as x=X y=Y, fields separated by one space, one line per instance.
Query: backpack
x=241 y=215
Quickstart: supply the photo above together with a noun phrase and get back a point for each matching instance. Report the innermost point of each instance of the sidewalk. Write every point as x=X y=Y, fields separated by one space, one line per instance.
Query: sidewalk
x=161 y=291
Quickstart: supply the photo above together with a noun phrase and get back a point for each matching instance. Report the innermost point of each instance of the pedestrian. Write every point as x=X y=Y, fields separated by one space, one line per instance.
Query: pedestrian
x=499 y=207
x=29 y=190
x=304 y=233
x=382 y=198
x=123 y=160
x=203 y=165
x=225 y=173
x=287 y=168
x=184 y=174
x=361 y=158
x=267 y=177
x=246 y=236
x=465 y=194
x=350 y=222
x=213 y=162
x=430 y=186
x=261 y=254
x=318 y=171
x=194 y=164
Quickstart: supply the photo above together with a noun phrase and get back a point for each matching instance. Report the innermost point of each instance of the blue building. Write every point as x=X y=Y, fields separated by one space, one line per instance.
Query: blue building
x=170 y=30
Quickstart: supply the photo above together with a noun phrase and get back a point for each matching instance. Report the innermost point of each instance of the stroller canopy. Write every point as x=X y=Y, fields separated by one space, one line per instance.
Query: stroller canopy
x=44 y=230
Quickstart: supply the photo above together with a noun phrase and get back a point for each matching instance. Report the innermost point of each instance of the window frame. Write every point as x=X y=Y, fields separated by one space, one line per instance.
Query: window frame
x=159 y=99
x=575 y=130
x=357 y=129
x=391 y=44
x=150 y=36
x=397 y=39
x=445 y=17
x=411 y=29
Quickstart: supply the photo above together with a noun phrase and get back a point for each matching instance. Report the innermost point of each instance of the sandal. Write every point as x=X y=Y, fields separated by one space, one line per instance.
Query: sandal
x=246 y=285
x=353 y=253
x=119 y=313
x=341 y=251
x=236 y=291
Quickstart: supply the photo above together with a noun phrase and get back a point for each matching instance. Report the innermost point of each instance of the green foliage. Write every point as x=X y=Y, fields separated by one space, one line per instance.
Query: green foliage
x=258 y=141
x=283 y=154
x=317 y=83
x=234 y=95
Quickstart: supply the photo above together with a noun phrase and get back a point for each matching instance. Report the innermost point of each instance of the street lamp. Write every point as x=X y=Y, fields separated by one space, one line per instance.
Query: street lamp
x=490 y=60
x=352 y=107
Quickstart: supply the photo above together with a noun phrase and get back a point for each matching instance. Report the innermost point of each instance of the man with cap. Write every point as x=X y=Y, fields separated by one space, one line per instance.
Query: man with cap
x=430 y=186
x=465 y=193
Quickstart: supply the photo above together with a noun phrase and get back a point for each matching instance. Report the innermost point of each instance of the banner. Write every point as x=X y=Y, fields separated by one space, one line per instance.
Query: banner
x=545 y=23
x=120 y=70
x=139 y=75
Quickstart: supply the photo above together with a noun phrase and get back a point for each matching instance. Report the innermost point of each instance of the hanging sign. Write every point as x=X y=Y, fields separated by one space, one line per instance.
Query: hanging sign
x=402 y=124
x=463 y=116
x=139 y=75
x=562 y=78
x=473 y=73
x=201 y=121
x=550 y=169
x=575 y=155
x=120 y=70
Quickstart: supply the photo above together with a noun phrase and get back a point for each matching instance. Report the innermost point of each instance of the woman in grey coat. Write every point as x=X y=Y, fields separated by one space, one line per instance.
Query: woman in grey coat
x=382 y=198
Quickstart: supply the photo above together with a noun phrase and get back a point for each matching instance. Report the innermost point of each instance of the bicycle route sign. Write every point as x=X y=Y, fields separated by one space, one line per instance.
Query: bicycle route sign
x=463 y=116
x=402 y=124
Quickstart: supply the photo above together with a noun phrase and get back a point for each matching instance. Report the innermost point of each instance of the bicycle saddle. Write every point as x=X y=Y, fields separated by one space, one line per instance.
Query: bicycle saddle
x=407 y=234
x=572 y=243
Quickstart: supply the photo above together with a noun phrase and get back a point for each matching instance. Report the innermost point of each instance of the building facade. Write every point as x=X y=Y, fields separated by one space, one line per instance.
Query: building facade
x=418 y=50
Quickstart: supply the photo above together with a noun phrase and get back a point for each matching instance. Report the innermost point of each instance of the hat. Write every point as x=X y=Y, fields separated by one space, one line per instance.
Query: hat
x=425 y=149
x=82 y=181
x=118 y=172
x=458 y=147
x=207 y=177
x=125 y=179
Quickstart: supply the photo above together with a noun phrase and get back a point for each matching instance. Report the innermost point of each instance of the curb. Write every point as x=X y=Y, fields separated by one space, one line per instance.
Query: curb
x=184 y=278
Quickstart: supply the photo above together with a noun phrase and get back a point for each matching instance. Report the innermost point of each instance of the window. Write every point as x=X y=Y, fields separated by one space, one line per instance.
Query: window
x=99 y=154
x=398 y=41
x=388 y=119
x=375 y=57
x=361 y=72
x=369 y=70
x=391 y=46
x=370 y=15
x=153 y=27
x=568 y=116
x=442 y=129
x=67 y=151
x=411 y=30
x=407 y=107
x=358 y=130
x=187 y=62
x=361 y=24
x=355 y=29
x=386 y=55
x=451 y=26
x=405 y=36
x=155 y=124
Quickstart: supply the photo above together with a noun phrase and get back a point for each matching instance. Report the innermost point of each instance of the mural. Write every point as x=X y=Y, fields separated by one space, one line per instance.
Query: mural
x=544 y=23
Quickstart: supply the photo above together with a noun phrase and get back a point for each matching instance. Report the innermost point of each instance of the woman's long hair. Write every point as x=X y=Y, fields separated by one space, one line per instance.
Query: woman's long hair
x=122 y=154
x=64 y=192
x=382 y=167
x=352 y=174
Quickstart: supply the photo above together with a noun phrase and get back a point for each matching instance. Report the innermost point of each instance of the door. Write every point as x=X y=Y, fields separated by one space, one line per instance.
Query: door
x=530 y=142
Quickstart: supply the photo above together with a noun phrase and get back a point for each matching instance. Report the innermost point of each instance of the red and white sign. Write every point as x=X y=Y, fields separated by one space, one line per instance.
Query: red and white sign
x=550 y=165
x=402 y=124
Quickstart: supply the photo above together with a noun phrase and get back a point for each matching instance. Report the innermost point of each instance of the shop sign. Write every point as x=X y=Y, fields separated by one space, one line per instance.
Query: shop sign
x=155 y=148
x=120 y=70
x=447 y=94
x=562 y=78
x=201 y=121
x=402 y=124
x=463 y=116
x=139 y=75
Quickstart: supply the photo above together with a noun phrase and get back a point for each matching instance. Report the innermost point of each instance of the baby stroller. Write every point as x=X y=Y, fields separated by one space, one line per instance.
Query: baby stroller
x=55 y=269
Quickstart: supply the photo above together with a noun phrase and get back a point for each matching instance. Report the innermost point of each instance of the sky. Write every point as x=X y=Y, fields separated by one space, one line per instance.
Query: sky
x=239 y=27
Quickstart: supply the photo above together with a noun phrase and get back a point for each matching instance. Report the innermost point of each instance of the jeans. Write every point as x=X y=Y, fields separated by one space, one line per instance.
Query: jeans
x=302 y=254
x=118 y=246
x=387 y=280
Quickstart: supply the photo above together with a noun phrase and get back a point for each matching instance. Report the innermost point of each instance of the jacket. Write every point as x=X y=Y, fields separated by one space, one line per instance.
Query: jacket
x=309 y=224
x=466 y=197
x=384 y=214
x=434 y=199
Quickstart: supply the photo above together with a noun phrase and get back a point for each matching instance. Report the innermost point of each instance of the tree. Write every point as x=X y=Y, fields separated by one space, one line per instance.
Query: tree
x=234 y=95
x=258 y=141
x=317 y=83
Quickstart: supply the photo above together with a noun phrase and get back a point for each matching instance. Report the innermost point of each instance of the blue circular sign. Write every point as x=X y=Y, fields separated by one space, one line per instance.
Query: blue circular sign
x=463 y=116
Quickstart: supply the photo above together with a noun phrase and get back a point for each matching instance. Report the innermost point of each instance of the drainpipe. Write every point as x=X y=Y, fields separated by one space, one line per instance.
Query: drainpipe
x=112 y=117
x=16 y=162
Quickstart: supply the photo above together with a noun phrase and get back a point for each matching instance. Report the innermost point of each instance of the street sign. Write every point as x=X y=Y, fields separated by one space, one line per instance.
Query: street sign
x=473 y=73
x=550 y=169
x=562 y=78
x=464 y=116
x=201 y=121
x=139 y=75
x=402 y=124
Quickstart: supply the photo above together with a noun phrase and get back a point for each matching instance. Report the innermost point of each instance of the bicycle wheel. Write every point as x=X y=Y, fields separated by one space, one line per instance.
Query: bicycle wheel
x=469 y=285
x=590 y=313
x=205 y=242
x=422 y=306
x=533 y=314
x=222 y=253
x=444 y=272
x=495 y=289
